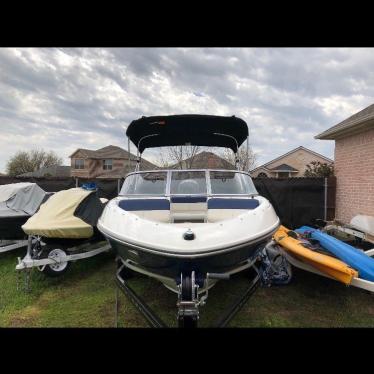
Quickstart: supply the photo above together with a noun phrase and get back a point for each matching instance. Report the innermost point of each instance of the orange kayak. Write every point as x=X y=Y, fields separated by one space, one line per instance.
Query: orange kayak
x=326 y=264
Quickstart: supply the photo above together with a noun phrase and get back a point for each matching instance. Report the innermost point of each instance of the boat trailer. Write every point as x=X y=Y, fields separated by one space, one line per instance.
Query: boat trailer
x=189 y=299
x=348 y=229
x=57 y=260
x=10 y=245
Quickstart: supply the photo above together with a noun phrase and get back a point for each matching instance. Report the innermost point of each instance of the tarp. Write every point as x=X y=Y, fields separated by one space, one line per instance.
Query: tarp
x=9 y=190
x=90 y=209
x=56 y=219
x=17 y=202
x=27 y=199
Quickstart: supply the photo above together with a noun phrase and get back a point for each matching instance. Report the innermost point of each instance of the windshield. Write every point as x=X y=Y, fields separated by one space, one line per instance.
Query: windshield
x=145 y=184
x=222 y=182
x=188 y=182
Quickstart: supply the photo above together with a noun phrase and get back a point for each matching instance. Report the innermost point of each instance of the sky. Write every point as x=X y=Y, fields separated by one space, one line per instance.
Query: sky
x=62 y=99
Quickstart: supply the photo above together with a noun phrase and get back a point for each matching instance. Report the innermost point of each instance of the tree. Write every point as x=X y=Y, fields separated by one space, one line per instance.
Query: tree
x=183 y=156
x=319 y=169
x=247 y=158
x=24 y=162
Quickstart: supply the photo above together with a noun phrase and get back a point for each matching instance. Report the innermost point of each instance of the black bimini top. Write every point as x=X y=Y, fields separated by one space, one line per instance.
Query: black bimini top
x=187 y=129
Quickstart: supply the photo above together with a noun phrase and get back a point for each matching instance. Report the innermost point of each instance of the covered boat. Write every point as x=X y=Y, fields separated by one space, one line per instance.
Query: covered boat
x=188 y=228
x=18 y=201
x=64 y=224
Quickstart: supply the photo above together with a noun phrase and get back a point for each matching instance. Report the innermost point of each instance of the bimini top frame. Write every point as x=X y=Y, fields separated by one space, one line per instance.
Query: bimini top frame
x=187 y=129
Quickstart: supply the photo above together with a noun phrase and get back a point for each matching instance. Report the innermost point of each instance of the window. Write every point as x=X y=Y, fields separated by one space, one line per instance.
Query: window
x=283 y=174
x=145 y=184
x=232 y=183
x=78 y=163
x=108 y=164
x=188 y=182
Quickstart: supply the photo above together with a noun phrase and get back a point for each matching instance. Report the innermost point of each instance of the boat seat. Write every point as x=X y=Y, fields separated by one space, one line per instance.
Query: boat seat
x=188 y=208
x=220 y=209
x=152 y=209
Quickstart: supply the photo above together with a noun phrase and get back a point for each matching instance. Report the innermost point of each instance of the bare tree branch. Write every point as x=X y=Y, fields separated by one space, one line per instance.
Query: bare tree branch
x=247 y=159
x=181 y=156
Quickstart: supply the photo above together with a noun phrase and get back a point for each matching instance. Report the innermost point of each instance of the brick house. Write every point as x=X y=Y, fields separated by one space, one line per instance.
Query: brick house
x=108 y=162
x=354 y=164
x=204 y=160
x=291 y=164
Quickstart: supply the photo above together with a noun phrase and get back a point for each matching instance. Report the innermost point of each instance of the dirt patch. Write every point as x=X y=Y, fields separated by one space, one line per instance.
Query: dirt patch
x=25 y=318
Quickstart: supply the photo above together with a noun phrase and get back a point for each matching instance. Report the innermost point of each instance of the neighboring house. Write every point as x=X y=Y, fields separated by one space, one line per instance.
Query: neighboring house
x=291 y=164
x=108 y=162
x=204 y=160
x=354 y=164
x=51 y=171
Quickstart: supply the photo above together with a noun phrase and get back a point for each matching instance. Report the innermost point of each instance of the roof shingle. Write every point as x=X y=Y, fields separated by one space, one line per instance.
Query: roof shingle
x=358 y=121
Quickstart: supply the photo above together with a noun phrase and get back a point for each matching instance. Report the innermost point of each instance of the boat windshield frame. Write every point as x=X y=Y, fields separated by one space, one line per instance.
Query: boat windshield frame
x=208 y=184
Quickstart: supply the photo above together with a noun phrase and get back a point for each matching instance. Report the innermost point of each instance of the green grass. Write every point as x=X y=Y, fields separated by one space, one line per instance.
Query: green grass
x=85 y=297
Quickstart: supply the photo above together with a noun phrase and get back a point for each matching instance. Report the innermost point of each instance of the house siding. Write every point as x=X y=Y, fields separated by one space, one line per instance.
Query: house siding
x=94 y=167
x=298 y=160
x=354 y=169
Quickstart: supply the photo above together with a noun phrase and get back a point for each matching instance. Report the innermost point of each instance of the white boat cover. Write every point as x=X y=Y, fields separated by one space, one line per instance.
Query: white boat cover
x=55 y=218
x=363 y=223
x=20 y=199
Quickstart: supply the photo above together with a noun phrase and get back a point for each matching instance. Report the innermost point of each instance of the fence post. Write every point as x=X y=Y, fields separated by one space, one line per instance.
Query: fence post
x=76 y=182
x=118 y=185
x=325 y=205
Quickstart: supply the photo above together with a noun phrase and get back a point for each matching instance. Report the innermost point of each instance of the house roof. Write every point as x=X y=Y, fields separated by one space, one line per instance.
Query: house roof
x=53 y=171
x=110 y=151
x=205 y=160
x=358 y=122
x=284 y=167
x=290 y=152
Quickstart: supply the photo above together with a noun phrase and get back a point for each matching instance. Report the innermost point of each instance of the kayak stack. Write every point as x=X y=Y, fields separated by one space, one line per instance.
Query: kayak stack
x=350 y=255
x=328 y=265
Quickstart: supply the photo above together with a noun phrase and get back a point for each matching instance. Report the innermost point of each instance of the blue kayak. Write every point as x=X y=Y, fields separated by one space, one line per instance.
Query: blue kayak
x=345 y=252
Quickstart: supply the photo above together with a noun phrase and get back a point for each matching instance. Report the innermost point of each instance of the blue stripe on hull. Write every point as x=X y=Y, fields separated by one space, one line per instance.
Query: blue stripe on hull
x=144 y=204
x=222 y=203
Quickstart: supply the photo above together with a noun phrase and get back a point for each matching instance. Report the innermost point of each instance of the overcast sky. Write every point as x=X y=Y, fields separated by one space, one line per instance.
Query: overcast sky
x=64 y=99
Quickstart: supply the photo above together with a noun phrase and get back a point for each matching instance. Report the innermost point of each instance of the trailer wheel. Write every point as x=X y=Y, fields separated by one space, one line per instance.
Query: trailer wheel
x=59 y=268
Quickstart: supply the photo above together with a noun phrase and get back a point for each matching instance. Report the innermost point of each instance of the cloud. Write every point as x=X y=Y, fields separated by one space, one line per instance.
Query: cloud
x=66 y=98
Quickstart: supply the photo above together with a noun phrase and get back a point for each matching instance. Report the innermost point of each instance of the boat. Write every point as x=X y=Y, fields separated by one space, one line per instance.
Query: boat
x=303 y=251
x=65 y=227
x=18 y=202
x=361 y=227
x=355 y=258
x=188 y=228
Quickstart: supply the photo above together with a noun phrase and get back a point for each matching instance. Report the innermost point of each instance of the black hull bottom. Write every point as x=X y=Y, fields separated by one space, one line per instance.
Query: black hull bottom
x=10 y=227
x=172 y=267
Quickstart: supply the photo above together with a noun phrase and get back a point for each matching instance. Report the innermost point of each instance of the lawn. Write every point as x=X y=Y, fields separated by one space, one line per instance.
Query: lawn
x=85 y=297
